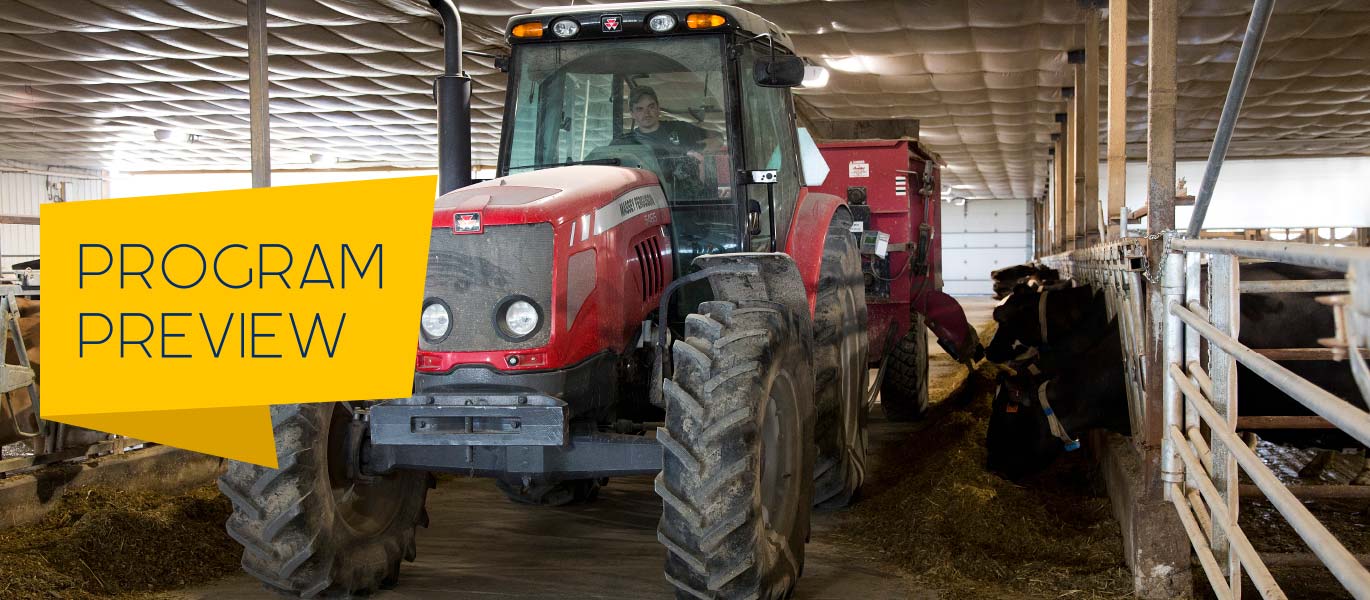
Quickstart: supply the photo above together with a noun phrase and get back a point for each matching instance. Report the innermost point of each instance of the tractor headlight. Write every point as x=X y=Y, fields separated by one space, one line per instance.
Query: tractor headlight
x=436 y=321
x=565 y=28
x=518 y=317
x=661 y=23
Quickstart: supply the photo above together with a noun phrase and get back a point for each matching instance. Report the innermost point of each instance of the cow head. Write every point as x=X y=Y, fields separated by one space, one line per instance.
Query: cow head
x=1019 y=441
x=1018 y=325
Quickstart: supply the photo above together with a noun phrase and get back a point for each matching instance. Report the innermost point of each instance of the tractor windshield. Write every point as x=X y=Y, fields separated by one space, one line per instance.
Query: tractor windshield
x=655 y=104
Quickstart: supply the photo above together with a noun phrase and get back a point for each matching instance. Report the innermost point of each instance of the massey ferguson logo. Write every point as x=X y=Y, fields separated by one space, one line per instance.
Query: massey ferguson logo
x=466 y=223
x=611 y=23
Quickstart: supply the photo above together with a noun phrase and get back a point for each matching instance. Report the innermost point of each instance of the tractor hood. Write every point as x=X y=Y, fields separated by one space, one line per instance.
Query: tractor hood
x=585 y=251
x=547 y=196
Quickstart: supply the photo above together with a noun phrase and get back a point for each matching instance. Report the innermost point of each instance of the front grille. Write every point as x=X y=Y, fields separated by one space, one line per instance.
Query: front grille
x=649 y=263
x=472 y=273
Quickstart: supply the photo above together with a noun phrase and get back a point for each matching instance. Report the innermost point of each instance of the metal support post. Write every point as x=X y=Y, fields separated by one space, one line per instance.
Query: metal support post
x=1172 y=283
x=1223 y=308
x=1193 y=269
x=1236 y=93
x=258 y=94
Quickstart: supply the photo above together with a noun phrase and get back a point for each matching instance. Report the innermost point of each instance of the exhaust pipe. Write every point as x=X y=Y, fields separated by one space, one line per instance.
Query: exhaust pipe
x=452 y=90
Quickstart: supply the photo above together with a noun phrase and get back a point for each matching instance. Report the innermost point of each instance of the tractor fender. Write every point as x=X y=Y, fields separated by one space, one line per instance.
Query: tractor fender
x=808 y=230
x=776 y=278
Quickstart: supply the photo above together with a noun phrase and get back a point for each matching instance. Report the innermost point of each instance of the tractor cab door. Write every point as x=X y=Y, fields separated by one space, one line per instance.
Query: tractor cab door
x=769 y=144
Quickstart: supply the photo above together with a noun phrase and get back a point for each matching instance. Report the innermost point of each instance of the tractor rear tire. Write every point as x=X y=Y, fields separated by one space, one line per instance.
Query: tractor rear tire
x=839 y=332
x=308 y=528
x=544 y=493
x=736 y=481
x=904 y=391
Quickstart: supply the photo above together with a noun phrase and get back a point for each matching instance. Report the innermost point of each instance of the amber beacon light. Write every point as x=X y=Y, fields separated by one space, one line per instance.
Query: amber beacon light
x=531 y=29
x=703 y=21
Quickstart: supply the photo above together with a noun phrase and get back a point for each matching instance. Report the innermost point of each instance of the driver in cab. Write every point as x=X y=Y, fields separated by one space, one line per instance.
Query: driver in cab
x=670 y=137
x=673 y=140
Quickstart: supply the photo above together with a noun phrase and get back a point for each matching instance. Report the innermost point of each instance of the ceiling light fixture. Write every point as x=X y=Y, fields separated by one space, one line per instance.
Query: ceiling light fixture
x=173 y=136
x=815 y=77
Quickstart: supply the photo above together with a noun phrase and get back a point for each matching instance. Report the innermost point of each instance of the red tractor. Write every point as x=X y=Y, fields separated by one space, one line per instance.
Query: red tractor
x=648 y=286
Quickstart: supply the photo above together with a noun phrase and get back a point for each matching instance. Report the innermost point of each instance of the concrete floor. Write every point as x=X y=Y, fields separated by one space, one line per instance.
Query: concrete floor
x=481 y=545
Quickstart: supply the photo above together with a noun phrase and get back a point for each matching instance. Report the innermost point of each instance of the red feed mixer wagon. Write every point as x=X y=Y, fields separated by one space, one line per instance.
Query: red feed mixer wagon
x=893 y=189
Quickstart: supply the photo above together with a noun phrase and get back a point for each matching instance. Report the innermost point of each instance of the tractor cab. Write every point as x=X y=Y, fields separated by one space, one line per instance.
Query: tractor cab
x=694 y=92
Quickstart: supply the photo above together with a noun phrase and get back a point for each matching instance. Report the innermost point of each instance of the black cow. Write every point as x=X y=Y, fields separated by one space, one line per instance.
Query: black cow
x=1084 y=390
x=1068 y=353
x=1293 y=320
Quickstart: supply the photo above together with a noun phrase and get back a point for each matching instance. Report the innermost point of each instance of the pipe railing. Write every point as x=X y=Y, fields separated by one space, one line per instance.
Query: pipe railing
x=1346 y=417
x=1307 y=255
x=1201 y=450
x=1227 y=122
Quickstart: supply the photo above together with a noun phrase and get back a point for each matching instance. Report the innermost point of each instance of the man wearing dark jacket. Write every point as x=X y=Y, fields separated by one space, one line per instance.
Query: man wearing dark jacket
x=680 y=146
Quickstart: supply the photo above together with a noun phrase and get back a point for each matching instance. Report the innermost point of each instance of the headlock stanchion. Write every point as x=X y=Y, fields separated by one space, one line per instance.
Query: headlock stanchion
x=1116 y=268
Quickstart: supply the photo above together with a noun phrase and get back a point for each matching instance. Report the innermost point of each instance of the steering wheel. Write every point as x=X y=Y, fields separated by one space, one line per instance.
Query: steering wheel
x=687 y=177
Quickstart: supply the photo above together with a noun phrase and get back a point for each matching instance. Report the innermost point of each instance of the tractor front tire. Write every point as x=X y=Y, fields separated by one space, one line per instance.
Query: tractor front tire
x=736 y=482
x=904 y=390
x=308 y=528
x=839 y=332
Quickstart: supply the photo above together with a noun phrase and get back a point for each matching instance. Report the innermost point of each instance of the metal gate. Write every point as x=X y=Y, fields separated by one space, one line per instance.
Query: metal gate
x=1202 y=456
x=1201 y=450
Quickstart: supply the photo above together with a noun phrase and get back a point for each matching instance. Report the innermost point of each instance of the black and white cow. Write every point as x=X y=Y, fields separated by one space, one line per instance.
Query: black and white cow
x=1007 y=278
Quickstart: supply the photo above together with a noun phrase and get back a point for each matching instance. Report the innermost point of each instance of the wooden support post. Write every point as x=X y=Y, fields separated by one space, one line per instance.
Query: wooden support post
x=1089 y=129
x=1059 y=188
x=1072 y=187
x=1159 y=554
x=1040 y=205
x=1160 y=164
x=1117 y=112
x=1079 y=156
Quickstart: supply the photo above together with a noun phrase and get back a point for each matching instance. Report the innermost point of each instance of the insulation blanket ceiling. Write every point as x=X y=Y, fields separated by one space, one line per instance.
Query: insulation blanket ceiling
x=88 y=82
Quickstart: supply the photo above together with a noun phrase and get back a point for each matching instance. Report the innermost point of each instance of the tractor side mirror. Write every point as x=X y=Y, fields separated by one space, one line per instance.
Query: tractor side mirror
x=779 y=71
x=753 y=217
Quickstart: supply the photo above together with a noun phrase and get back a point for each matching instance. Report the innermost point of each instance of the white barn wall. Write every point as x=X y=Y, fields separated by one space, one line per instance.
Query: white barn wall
x=23 y=188
x=1253 y=194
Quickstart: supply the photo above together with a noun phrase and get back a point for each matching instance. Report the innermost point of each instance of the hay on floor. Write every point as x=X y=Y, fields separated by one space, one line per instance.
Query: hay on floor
x=953 y=526
x=103 y=542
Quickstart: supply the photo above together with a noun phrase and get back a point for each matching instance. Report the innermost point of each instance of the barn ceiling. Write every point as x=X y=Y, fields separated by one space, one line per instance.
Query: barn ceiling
x=96 y=82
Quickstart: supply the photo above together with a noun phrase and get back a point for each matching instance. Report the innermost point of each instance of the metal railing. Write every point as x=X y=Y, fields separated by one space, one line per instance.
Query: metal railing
x=1202 y=455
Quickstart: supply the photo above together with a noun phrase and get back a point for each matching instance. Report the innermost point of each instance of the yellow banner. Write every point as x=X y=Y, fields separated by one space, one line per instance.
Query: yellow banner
x=179 y=319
